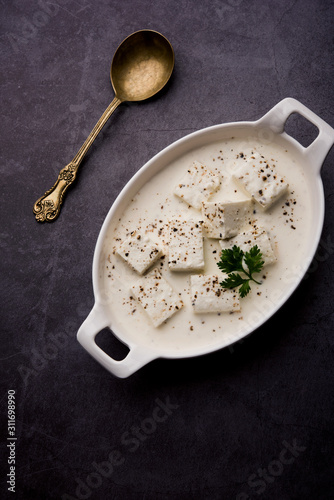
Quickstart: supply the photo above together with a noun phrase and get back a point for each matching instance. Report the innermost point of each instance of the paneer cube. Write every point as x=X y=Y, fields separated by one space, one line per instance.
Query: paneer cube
x=157 y=297
x=208 y=296
x=248 y=239
x=197 y=185
x=185 y=246
x=140 y=252
x=260 y=180
x=225 y=219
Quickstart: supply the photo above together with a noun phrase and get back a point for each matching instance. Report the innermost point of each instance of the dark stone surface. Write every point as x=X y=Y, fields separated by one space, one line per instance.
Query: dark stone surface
x=235 y=411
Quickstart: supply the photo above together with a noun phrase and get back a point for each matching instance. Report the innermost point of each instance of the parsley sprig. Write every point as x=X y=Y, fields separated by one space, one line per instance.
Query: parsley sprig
x=233 y=261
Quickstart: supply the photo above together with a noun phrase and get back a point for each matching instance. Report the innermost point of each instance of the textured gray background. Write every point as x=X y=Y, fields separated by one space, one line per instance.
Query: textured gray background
x=234 y=410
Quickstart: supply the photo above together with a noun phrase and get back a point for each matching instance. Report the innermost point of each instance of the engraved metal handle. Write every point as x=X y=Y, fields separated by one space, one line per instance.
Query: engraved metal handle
x=47 y=207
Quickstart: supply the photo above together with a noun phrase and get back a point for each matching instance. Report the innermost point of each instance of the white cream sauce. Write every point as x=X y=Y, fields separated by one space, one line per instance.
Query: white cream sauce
x=288 y=223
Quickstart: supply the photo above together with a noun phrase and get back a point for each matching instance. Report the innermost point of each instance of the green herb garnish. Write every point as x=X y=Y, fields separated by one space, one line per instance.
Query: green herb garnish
x=233 y=261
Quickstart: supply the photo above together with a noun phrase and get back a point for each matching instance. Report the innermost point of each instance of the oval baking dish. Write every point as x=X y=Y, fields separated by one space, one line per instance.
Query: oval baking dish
x=267 y=130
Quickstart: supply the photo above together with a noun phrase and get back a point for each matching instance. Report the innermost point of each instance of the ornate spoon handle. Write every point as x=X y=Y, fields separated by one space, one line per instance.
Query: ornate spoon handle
x=47 y=207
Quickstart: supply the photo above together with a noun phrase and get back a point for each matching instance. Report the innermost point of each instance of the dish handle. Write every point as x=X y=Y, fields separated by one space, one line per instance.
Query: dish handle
x=93 y=324
x=276 y=119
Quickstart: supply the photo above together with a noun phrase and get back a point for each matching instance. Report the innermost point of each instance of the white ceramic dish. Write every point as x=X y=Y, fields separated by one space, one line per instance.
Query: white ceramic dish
x=268 y=129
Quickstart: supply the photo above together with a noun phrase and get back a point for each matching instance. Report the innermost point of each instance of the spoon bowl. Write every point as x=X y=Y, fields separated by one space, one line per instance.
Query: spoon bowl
x=141 y=67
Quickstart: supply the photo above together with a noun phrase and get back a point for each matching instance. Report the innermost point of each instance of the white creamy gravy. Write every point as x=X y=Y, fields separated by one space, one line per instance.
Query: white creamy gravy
x=288 y=223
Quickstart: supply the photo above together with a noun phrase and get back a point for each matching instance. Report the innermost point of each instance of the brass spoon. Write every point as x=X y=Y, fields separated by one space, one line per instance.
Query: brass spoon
x=140 y=68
